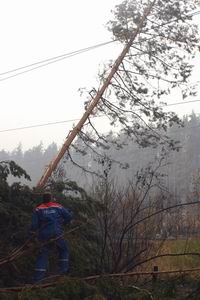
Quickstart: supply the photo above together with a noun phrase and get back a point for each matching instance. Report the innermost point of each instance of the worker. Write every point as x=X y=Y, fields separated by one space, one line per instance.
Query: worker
x=47 y=220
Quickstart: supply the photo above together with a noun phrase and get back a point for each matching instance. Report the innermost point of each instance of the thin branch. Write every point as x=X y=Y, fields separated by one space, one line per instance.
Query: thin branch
x=165 y=255
x=82 y=167
x=138 y=116
x=162 y=61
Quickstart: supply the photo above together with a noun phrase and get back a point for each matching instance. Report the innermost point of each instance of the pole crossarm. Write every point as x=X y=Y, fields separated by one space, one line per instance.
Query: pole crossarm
x=53 y=164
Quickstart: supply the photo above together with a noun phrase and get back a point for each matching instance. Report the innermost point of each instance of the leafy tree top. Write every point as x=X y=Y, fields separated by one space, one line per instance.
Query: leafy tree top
x=159 y=60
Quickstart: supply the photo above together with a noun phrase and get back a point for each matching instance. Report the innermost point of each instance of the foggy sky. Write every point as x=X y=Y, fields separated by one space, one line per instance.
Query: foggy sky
x=36 y=30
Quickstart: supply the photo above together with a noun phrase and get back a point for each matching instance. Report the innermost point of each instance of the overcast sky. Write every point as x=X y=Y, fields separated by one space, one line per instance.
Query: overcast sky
x=35 y=30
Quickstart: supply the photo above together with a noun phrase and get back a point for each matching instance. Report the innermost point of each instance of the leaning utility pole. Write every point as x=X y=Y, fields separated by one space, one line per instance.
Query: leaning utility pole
x=53 y=164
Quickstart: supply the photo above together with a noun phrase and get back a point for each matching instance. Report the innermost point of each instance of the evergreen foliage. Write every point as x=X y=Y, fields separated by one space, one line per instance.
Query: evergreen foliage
x=16 y=204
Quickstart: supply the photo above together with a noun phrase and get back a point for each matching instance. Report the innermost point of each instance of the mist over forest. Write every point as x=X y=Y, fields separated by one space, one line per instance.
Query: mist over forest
x=181 y=168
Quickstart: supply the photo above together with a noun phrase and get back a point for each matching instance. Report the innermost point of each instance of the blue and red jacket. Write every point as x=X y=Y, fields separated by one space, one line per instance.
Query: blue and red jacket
x=48 y=218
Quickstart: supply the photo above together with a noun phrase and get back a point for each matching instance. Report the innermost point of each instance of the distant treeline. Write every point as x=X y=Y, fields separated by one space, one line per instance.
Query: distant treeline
x=182 y=167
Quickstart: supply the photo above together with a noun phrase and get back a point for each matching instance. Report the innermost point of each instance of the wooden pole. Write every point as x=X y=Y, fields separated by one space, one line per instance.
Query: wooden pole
x=53 y=164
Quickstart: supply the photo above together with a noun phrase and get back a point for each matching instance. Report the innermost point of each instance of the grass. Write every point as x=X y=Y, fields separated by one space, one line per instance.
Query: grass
x=181 y=246
x=189 y=261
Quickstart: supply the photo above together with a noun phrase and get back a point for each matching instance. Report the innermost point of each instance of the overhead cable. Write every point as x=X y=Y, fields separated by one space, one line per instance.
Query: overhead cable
x=55 y=59
x=171 y=21
x=74 y=120
x=45 y=62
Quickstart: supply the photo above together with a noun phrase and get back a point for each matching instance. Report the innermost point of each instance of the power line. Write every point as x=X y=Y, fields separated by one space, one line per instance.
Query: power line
x=49 y=61
x=44 y=124
x=74 y=120
x=196 y=13
x=55 y=59
x=179 y=103
x=171 y=21
x=177 y=19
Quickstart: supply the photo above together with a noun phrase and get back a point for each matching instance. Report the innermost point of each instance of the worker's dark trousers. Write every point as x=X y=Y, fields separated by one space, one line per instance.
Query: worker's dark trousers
x=42 y=259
